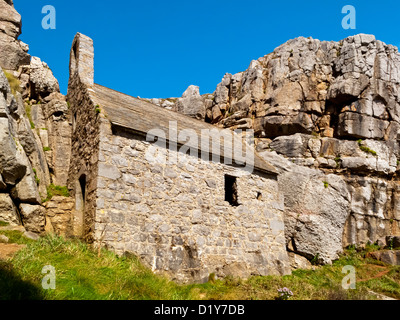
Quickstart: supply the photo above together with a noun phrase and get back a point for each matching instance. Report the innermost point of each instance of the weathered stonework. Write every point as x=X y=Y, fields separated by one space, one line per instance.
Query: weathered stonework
x=59 y=215
x=85 y=139
x=176 y=218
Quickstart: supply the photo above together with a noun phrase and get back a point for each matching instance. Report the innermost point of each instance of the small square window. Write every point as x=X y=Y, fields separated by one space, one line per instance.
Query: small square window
x=231 y=194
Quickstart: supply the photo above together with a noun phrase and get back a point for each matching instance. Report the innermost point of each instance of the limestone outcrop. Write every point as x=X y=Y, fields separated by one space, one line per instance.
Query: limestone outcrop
x=14 y=53
x=35 y=128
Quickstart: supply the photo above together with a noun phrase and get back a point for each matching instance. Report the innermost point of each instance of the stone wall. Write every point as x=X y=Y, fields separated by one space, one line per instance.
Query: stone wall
x=176 y=219
x=82 y=176
x=59 y=214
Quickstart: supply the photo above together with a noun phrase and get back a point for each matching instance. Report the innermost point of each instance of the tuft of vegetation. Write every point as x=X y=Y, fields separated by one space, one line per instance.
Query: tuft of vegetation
x=46 y=149
x=315 y=134
x=36 y=177
x=366 y=149
x=53 y=190
x=326 y=184
x=3 y=223
x=15 y=84
x=28 y=110
x=338 y=160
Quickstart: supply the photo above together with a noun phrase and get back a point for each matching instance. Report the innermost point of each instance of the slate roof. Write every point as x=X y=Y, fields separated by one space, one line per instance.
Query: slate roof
x=141 y=116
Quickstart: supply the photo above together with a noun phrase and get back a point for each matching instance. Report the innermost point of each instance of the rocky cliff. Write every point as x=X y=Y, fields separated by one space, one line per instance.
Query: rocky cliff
x=34 y=129
x=327 y=115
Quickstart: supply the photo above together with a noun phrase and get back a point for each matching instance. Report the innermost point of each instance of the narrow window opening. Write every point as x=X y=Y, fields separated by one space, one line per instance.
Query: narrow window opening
x=80 y=198
x=231 y=194
x=74 y=122
x=82 y=183
x=74 y=49
x=259 y=195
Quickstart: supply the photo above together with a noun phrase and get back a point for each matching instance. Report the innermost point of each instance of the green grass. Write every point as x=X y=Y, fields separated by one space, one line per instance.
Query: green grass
x=3 y=223
x=326 y=184
x=15 y=84
x=45 y=149
x=83 y=273
x=366 y=149
x=28 y=110
x=53 y=190
x=36 y=177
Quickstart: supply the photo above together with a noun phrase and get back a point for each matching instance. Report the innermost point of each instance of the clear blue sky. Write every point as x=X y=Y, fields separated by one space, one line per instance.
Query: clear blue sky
x=155 y=48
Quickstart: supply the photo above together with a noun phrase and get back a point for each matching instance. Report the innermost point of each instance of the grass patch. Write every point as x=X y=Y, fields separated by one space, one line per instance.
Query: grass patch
x=84 y=274
x=315 y=134
x=53 y=190
x=3 y=223
x=15 y=84
x=326 y=184
x=366 y=149
x=36 y=177
x=16 y=237
x=45 y=149
x=28 y=110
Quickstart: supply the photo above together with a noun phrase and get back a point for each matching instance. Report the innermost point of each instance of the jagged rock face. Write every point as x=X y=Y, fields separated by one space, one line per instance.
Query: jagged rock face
x=309 y=102
x=24 y=168
x=347 y=89
x=41 y=80
x=14 y=53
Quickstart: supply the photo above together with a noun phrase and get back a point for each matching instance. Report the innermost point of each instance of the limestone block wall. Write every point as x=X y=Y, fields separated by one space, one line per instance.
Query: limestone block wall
x=86 y=122
x=82 y=175
x=175 y=217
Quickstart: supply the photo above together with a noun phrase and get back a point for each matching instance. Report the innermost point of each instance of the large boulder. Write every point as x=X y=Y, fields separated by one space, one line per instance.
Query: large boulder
x=13 y=165
x=192 y=103
x=317 y=206
x=27 y=189
x=14 y=53
x=33 y=217
x=316 y=209
x=10 y=20
x=42 y=80
x=8 y=211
